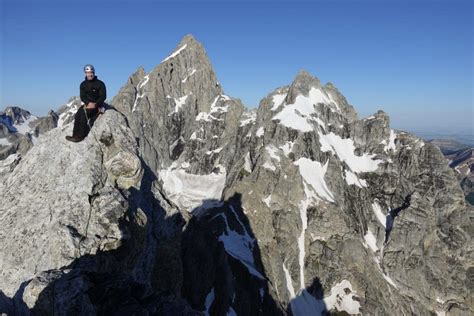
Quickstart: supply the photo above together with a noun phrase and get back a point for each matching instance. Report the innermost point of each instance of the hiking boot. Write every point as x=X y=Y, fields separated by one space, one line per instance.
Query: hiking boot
x=73 y=139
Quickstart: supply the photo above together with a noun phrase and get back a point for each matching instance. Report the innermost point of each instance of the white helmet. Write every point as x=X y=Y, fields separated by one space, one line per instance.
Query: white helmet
x=89 y=67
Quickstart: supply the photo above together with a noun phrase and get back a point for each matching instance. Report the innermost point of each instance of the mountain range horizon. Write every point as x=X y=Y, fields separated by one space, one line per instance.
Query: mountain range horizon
x=379 y=63
x=464 y=135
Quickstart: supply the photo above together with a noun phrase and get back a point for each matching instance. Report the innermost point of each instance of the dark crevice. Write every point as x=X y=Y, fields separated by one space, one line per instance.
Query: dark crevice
x=74 y=232
x=390 y=219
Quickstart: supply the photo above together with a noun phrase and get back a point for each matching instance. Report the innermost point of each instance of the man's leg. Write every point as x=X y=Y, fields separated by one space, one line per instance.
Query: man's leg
x=81 y=123
x=80 y=129
x=92 y=115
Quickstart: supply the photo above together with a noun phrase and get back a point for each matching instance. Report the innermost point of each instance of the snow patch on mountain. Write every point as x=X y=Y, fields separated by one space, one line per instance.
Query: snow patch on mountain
x=391 y=141
x=273 y=152
x=303 y=206
x=277 y=100
x=239 y=246
x=344 y=149
x=215 y=151
x=179 y=103
x=267 y=200
x=203 y=116
x=382 y=219
x=341 y=299
x=248 y=118
x=352 y=178
x=287 y=148
x=313 y=173
x=248 y=163
x=289 y=282
x=72 y=109
x=269 y=165
x=370 y=241
x=297 y=115
x=186 y=78
x=215 y=108
x=188 y=191
x=24 y=127
x=140 y=92
x=175 y=53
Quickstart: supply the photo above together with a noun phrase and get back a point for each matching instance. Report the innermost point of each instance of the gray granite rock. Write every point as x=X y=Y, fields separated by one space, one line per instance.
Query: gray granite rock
x=44 y=124
x=60 y=205
x=298 y=207
x=316 y=183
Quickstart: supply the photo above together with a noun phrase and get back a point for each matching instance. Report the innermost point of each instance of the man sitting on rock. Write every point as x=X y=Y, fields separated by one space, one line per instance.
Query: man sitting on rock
x=93 y=95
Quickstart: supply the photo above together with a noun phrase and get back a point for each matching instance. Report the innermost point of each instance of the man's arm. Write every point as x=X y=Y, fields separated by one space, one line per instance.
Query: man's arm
x=102 y=93
x=83 y=93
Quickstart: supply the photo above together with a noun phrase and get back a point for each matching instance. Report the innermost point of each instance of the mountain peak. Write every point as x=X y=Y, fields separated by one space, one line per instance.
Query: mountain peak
x=305 y=78
x=303 y=82
x=301 y=85
x=188 y=39
x=189 y=49
x=17 y=114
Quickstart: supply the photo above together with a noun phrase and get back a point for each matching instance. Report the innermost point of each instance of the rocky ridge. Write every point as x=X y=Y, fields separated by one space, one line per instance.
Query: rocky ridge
x=295 y=208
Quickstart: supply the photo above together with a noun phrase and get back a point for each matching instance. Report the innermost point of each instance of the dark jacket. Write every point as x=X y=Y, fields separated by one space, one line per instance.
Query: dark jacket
x=93 y=91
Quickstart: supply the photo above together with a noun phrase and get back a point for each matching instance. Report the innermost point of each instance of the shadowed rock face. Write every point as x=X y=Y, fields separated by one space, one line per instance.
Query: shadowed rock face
x=192 y=203
x=462 y=162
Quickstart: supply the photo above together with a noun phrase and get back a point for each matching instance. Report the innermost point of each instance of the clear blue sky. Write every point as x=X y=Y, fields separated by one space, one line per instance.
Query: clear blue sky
x=413 y=59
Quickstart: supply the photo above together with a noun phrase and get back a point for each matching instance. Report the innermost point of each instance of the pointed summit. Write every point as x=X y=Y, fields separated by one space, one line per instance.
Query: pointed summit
x=188 y=39
x=172 y=96
x=304 y=78
x=17 y=114
x=188 y=71
x=302 y=84
x=189 y=48
x=310 y=87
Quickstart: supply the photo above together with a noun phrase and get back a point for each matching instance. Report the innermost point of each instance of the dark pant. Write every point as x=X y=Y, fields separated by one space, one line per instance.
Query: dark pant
x=81 y=127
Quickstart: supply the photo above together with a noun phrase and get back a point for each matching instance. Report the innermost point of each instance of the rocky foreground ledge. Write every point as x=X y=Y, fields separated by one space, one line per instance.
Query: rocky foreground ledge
x=64 y=201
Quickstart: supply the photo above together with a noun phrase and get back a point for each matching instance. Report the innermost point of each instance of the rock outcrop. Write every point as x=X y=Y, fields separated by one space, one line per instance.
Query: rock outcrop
x=62 y=205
